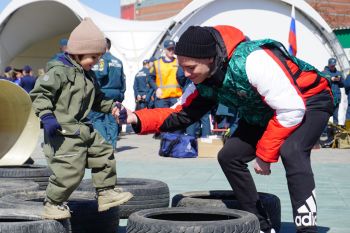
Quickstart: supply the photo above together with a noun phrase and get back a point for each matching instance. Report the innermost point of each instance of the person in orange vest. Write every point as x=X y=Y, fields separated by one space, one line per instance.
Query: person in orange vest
x=164 y=72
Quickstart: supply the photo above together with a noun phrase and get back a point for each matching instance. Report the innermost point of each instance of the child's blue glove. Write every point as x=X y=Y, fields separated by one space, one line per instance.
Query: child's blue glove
x=50 y=124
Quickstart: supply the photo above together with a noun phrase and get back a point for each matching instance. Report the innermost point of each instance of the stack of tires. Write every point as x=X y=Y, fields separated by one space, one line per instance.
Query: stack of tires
x=224 y=199
x=147 y=194
x=8 y=186
x=24 y=220
x=211 y=211
x=28 y=172
x=22 y=196
x=22 y=199
x=192 y=219
x=85 y=216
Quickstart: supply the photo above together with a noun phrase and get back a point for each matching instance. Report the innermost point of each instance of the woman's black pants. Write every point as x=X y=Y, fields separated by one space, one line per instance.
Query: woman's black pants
x=295 y=155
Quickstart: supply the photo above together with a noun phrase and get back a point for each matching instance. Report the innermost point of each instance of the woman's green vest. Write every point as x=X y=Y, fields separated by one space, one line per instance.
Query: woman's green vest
x=236 y=92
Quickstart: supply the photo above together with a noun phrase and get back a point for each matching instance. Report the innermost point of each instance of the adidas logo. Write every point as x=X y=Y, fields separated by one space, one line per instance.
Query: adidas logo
x=308 y=219
x=306 y=215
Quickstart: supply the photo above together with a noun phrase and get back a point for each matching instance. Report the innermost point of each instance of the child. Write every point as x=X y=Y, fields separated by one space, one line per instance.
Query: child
x=62 y=98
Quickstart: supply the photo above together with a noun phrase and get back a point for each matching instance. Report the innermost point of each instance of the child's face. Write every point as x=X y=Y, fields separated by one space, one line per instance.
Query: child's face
x=89 y=60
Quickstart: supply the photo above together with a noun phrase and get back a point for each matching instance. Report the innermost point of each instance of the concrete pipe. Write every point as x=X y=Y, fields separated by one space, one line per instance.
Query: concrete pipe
x=19 y=127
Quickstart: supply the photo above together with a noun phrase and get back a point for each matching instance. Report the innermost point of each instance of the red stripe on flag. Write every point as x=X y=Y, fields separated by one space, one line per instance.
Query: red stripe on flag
x=292 y=39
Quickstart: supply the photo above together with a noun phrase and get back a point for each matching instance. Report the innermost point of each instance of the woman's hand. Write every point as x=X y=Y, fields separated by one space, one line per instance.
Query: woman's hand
x=123 y=115
x=261 y=167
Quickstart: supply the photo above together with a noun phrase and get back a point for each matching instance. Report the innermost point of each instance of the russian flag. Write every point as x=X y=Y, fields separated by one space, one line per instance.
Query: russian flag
x=292 y=39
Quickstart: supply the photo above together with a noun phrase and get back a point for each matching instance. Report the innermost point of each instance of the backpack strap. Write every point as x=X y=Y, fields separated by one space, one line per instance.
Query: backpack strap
x=283 y=58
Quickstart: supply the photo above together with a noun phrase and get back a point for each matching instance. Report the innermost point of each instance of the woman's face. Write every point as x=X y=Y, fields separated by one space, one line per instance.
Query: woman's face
x=87 y=61
x=196 y=69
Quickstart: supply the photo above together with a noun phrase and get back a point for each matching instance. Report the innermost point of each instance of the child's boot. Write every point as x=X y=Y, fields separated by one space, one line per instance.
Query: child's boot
x=55 y=211
x=111 y=197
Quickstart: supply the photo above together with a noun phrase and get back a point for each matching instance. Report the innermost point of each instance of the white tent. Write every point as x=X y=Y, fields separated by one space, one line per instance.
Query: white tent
x=260 y=19
x=30 y=30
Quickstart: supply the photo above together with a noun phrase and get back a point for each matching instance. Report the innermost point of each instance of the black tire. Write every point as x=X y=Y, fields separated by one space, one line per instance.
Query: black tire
x=36 y=173
x=148 y=194
x=203 y=220
x=8 y=186
x=85 y=216
x=24 y=221
x=227 y=199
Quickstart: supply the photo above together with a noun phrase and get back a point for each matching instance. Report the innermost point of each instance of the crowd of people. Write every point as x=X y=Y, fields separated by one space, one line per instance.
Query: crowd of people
x=22 y=77
x=276 y=106
x=25 y=77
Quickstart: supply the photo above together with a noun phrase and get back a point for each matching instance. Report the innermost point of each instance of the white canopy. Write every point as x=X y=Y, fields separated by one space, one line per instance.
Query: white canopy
x=30 y=31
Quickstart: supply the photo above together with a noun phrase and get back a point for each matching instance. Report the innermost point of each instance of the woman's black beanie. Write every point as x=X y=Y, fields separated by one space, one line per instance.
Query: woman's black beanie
x=196 y=42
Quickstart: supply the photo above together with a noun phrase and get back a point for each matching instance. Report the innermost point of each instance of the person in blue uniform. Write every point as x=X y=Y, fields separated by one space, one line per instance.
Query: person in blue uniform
x=111 y=79
x=144 y=86
x=28 y=80
x=63 y=47
x=8 y=73
x=337 y=82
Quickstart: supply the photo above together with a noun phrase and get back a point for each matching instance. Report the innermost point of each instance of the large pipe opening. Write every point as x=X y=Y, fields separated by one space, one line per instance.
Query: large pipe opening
x=19 y=127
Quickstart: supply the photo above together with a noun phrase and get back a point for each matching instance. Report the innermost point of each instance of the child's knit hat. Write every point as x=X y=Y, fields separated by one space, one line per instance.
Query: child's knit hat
x=86 y=38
